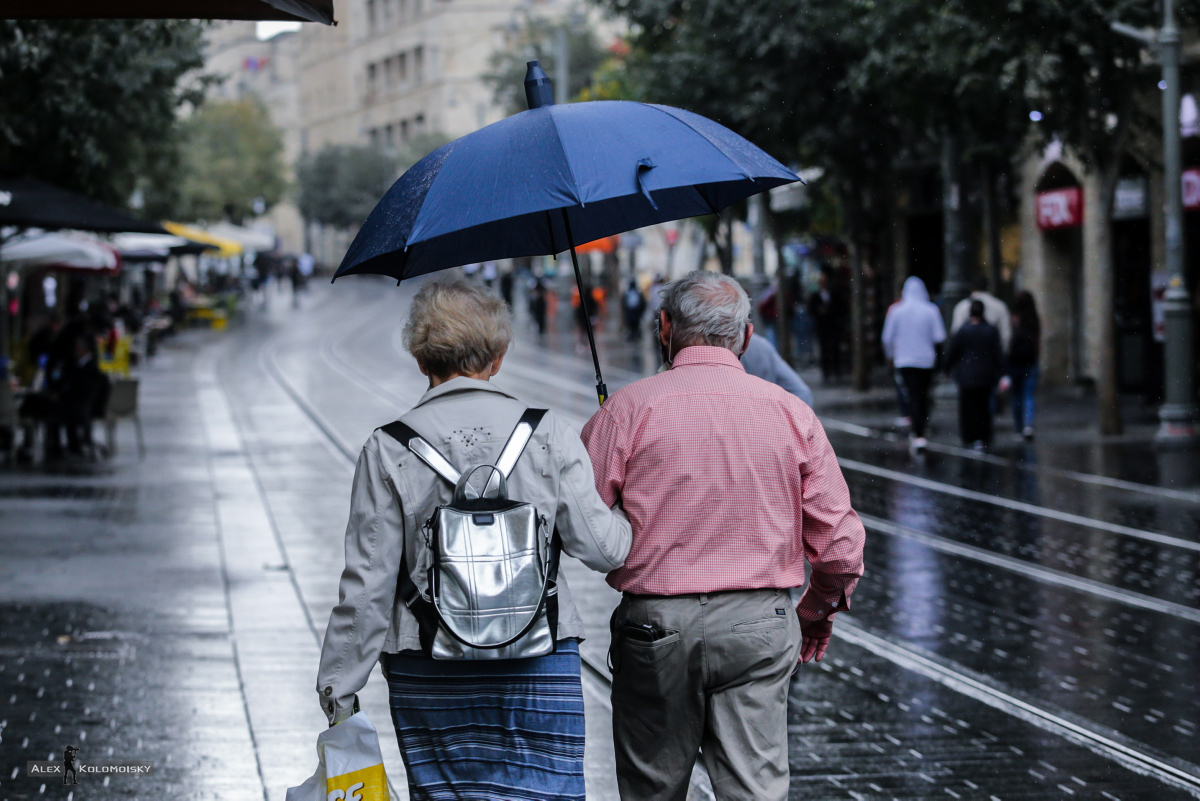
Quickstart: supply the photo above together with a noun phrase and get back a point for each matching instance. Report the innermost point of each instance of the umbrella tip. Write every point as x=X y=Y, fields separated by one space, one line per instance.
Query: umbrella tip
x=538 y=91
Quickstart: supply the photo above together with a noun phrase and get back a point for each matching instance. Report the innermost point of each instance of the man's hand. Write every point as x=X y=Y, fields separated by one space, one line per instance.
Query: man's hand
x=815 y=639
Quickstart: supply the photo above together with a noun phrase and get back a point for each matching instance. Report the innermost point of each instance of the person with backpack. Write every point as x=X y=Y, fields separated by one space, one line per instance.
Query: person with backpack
x=458 y=514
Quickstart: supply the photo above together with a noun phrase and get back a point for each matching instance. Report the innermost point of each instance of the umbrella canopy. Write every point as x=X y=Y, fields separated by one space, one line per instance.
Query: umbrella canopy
x=546 y=179
x=226 y=248
x=30 y=203
x=289 y=10
x=512 y=188
x=68 y=251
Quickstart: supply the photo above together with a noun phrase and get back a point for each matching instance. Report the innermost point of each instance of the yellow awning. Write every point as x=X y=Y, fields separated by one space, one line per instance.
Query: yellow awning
x=225 y=247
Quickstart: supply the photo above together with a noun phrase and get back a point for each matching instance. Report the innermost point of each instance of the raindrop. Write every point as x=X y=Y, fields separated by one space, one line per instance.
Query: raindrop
x=1162 y=85
x=1036 y=116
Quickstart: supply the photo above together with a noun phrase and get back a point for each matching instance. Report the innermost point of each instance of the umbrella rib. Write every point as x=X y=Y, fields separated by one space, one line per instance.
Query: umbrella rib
x=710 y=142
x=567 y=161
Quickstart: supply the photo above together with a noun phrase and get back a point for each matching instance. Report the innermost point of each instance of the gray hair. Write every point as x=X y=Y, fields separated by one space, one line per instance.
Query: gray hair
x=457 y=328
x=707 y=308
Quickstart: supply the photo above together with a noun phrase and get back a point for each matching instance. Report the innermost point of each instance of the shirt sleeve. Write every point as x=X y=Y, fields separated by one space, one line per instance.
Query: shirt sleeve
x=605 y=442
x=833 y=536
x=591 y=531
x=359 y=622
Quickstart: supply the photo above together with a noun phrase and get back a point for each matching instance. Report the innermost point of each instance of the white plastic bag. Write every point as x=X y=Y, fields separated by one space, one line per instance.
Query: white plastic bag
x=349 y=765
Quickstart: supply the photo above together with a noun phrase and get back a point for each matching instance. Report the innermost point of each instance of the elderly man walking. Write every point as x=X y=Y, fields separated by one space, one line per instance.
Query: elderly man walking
x=730 y=484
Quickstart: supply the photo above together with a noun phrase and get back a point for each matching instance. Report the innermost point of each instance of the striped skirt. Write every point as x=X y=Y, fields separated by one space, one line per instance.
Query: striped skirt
x=503 y=730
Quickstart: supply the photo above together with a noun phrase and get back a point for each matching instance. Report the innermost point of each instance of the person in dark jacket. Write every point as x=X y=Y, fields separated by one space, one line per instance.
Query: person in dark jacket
x=976 y=360
x=1023 y=360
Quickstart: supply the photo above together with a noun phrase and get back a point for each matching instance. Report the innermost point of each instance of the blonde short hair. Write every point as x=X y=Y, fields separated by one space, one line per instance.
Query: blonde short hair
x=456 y=327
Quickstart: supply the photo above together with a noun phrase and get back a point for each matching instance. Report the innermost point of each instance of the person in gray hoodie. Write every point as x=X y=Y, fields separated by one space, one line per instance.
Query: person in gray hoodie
x=912 y=335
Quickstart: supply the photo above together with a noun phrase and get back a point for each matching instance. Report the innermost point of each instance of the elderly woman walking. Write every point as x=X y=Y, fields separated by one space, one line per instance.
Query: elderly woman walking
x=474 y=728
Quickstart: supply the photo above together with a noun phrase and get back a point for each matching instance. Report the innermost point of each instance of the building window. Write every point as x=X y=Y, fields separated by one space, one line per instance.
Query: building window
x=389 y=73
x=418 y=126
x=373 y=136
x=402 y=68
x=404 y=130
x=372 y=78
x=389 y=137
x=419 y=64
x=371 y=22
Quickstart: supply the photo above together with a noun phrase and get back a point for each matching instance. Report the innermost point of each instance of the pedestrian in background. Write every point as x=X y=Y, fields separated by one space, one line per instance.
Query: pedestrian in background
x=506 y=729
x=538 y=305
x=633 y=306
x=902 y=404
x=913 y=333
x=826 y=310
x=1024 y=361
x=729 y=483
x=976 y=359
x=994 y=312
x=760 y=359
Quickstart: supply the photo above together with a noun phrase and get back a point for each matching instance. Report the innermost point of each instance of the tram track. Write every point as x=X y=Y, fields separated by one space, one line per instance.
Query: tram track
x=1132 y=754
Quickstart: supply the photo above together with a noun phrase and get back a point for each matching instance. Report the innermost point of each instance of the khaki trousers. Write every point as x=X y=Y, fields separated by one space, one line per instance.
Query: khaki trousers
x=708 y=671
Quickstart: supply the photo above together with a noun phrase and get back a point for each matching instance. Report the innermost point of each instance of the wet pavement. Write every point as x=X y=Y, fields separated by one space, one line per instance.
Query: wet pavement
x=1027 y=627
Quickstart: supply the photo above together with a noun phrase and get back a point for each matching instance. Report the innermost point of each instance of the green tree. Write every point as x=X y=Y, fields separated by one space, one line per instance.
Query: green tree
x=232 y=162
x=90 y=105
x=535 y=38
x=339 y=185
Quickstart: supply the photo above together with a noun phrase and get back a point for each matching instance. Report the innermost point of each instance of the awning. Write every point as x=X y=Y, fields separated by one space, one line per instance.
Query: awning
x=248 y=238
x=63 y=251
x=226 y=248
x=30 y=203
x=288 y=10
x=155 y=247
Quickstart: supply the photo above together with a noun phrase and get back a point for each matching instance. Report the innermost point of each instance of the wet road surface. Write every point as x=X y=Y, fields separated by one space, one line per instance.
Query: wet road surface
x=1026 y=629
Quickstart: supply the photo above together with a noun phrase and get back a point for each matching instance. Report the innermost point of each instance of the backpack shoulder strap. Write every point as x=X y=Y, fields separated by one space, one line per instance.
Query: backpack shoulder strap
x=428 y=454
x=518 y=439
x=515 y=446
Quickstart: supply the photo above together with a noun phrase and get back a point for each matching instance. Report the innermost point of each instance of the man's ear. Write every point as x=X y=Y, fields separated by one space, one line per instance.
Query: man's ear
x=749 y=333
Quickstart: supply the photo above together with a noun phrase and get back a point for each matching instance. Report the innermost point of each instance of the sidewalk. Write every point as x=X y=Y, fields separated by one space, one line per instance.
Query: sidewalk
x=1067 y=432
x=147 y=611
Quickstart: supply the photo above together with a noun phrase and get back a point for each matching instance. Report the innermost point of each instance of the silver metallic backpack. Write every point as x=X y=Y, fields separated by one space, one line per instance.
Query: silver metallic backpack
x=492 y=591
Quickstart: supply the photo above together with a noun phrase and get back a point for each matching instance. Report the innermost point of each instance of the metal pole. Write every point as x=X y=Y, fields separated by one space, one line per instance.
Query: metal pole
x=955 y=285
x=1177 y=414
x=601 y=389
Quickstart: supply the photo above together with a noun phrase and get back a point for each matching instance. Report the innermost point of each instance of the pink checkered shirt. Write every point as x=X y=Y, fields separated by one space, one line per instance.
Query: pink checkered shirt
x=730 y=483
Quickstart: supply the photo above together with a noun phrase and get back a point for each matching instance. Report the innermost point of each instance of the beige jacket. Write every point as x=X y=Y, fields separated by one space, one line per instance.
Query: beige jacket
x=394 y=494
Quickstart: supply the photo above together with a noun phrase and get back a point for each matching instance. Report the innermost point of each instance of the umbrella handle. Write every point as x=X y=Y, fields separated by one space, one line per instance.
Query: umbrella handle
x=601 y=389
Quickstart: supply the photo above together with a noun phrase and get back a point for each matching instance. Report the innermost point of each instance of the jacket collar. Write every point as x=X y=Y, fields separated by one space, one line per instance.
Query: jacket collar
x=461 y=384
x=706 y=354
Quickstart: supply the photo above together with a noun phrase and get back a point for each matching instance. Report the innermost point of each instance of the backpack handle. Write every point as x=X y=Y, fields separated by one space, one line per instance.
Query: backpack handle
x=499 y=489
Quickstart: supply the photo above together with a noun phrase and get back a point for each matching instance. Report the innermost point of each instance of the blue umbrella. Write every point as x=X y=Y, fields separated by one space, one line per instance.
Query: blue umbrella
x=547 y=179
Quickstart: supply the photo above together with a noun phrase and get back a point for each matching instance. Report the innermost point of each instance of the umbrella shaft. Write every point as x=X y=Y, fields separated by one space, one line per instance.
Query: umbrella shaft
x=601 y=389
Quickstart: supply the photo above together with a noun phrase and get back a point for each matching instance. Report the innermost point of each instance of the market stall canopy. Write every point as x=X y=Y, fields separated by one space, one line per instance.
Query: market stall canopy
x=248 y=238
x=30 y=203
x=288 y=10
x=66 y=251
x=155 y=247
x=226 y=248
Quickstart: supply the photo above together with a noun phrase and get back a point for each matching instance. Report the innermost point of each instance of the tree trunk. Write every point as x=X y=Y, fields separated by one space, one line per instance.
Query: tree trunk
x=991 y=226
x=860 y=366
x=955 y=284
x=1099 y=294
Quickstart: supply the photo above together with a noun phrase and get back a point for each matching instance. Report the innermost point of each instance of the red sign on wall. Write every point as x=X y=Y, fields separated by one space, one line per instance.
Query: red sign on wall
x=1060 y=208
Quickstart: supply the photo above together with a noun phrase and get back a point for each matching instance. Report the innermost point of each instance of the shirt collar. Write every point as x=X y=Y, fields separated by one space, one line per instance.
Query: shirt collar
x=706 y=354
x=461 y=384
